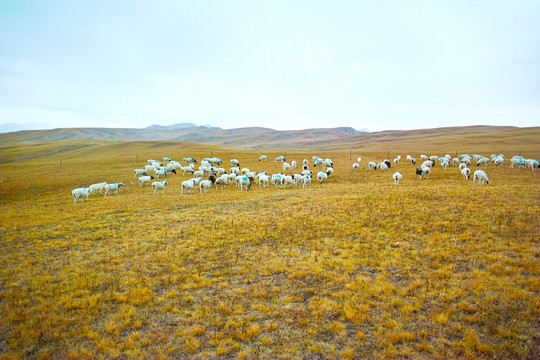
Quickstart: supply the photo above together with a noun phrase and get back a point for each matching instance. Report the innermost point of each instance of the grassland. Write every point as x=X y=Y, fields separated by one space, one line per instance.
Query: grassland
x=355 y=268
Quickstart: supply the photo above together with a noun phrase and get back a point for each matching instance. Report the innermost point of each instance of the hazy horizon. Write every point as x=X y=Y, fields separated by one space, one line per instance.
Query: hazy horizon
x=280 y=65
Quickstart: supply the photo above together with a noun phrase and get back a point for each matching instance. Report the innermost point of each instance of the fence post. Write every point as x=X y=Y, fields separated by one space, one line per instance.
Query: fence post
x=60 y=163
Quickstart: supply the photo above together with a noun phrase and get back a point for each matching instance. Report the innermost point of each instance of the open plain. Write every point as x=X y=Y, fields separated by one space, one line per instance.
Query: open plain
x=353 y=268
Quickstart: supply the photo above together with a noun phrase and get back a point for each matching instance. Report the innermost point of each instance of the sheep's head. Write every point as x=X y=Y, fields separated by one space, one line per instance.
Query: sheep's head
x=212 y=178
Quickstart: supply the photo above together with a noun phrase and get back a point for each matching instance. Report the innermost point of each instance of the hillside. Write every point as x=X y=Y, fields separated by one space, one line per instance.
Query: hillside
x=248 y=137
x=451 y=139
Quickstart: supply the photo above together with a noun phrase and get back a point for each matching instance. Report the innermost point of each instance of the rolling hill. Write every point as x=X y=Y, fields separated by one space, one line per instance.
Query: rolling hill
x=450 y=139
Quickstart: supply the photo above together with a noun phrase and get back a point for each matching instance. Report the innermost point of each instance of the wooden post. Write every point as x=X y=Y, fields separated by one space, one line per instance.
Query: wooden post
x=388 y=157
x=350 y=153
x=60 y=163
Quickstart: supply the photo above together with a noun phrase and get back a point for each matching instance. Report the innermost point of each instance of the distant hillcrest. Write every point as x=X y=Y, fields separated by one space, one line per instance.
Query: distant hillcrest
x=177 y=126
x=246 y=137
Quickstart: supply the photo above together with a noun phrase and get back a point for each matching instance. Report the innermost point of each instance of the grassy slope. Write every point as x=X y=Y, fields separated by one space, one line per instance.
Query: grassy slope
x=356 y=267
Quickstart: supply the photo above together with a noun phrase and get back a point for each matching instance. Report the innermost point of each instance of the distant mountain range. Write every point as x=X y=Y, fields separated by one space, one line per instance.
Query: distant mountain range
x=248 y=137
x=455 y=139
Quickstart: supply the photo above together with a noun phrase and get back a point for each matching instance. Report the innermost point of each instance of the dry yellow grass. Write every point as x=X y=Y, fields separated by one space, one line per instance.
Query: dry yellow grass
x=355 y=268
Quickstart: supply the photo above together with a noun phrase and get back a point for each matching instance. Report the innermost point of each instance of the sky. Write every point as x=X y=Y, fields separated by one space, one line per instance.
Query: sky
x=380 y=65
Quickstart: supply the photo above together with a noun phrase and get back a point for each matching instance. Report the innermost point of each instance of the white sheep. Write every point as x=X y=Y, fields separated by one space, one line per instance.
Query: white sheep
x=355 y=166
x=322 y=176
x=159 y=185
x=359 y=160
x=412 y=160
x=187 y=186
x=280 y=159
x=277 y=179
x=297 y=178
x=198 y=174
x=187 y=169
x=482 y=162
x=245 y=182
x=286 y=166
x=433 y=158
x=140 y=172
x=293 y=164
x=222 y=180
x=288 y=180
x=423 y=157
x=330 y=171
x=190 y=160
x=206 y=185
x=80 y=193
x=532 y=164
x=372 y=165
x=145 y=180
x=428 y=163
x=466 y=172
x=95 y=187
x=444 y=164
x=424 y=171
x=306 y=181
x=263 y=158
x=462 y=166
x=264 y=179
x=166 y=159
x=397 y=177
x=234 y=162
x=305 y=162
x=160 y=173
x=382 y=166
x=235 y=170
x=196 y=180
x=455 y=162
x=113 y=187
x=481 y=177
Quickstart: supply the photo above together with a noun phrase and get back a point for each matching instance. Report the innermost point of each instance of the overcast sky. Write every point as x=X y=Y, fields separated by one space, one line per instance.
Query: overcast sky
x=287 y=64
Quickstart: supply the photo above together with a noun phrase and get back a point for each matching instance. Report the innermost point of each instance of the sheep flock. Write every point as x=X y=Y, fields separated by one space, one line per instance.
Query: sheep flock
x=212 y=173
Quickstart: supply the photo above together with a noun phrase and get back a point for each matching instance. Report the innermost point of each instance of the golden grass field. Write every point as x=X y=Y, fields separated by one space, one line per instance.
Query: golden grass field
x=354 y=268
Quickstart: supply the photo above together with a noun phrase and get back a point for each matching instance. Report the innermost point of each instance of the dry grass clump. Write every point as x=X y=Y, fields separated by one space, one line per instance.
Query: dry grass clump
x=355 y=268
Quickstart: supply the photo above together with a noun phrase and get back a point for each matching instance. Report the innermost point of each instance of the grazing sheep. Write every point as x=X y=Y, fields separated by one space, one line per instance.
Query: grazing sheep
x=166 y=159
x=462 y=166
x=455 y=161
x=187 y=186
x=396 y=160
x=222 y=180
x=481 y=177
x=322 y=176
x=532 y=164
x=355 y=166
x=305 y=162
x=159 y=185
x=306 y=181
x=235 y=162
x=245 y=171
x=145 y=180
x=413 y=161
x=397 y=177
x=388 y=163
x=245 y=182
x=187 y=169
x=330 y=171
x=327 y=163
x=466 y=172
x=297 y=178
x=280 y=159
x=434 y=159
x=423 y=157
x=207 y=184
x=428 y=163
x=80 y=193
x=235 y=170
x=277 y=179
x=288 y=181
x=519 y=161
x=264 y=179
x=140 y=172
x=482 y=162
x=444 y=164
x=372 y=165
x=196 y=180
x=198 y=174
x=95 y=187
x=286 y=166
x=382 y=166
x=424 y=171
x=359 y=160
x=318 y=162
x=263 y=158
x=190 y=160
x=293 y=164
x=160 y=173
x=113 y=187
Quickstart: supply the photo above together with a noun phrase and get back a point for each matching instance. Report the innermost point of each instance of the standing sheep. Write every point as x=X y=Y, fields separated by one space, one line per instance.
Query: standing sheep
x=159 y=185
x=481 y=177
x=80 y=193
x=397 y=177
